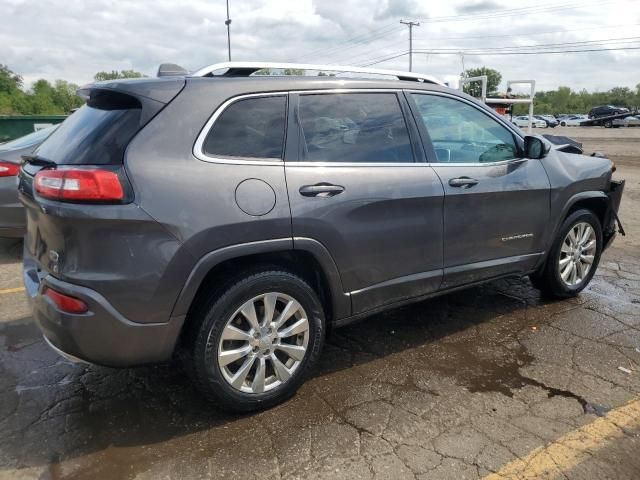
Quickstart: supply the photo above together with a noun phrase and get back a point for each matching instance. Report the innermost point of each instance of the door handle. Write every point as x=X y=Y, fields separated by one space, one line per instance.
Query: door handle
x=463 y=182
x=321 y=190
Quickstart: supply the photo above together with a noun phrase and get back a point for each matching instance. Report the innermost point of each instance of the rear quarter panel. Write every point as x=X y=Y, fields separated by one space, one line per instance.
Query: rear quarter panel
x=195 y=200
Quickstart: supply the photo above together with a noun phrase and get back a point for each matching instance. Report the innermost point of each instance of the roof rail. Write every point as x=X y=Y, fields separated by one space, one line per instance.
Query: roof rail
x=244 y=69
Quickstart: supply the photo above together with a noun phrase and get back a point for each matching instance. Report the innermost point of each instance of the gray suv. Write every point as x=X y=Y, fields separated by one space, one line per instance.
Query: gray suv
x=234 y=219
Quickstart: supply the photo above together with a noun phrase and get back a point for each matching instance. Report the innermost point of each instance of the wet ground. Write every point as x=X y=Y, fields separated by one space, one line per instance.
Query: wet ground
x=455 y=387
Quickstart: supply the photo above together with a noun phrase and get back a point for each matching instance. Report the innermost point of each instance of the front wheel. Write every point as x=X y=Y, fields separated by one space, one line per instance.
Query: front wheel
x=257 y=341
x=573 y=258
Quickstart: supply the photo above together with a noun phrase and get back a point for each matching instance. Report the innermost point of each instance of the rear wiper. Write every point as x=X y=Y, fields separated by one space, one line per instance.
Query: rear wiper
x=38 y=161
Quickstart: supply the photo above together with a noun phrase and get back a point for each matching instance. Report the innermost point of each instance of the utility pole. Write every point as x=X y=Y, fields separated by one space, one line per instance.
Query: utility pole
x=411 y=25
x=228 y=24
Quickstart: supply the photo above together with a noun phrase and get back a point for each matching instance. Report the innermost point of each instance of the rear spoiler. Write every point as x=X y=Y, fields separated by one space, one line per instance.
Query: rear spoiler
x=171 y=70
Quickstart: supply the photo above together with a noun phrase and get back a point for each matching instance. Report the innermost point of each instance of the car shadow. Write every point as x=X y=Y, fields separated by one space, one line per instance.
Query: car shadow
x=51 y=410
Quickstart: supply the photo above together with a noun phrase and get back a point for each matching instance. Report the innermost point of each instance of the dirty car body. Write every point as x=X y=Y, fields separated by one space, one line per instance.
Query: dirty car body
x=355 y=189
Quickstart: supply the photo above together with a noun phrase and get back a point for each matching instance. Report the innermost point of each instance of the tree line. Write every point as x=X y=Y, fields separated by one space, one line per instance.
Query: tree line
x=60 y=98
x=44 y=97
x=561 y=100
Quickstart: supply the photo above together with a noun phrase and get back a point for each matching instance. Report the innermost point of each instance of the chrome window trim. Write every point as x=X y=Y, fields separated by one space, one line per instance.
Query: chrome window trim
x=198 y=148
x=473 y=105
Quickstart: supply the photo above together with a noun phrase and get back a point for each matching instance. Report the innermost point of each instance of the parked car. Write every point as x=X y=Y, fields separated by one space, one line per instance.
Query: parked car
x=12 y=219
x=523 y=121
x=573 y=121
x=633 y=121
x=232 y=221
x=550 y=120
x=606 y=111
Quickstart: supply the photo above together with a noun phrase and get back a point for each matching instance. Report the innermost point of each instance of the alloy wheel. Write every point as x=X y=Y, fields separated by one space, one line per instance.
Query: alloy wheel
x=577 y=253
x=263 y=343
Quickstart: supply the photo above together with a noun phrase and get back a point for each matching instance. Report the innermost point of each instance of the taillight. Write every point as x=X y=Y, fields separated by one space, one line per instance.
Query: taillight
x=79 y=185
x=8 y=169
x=66 y=303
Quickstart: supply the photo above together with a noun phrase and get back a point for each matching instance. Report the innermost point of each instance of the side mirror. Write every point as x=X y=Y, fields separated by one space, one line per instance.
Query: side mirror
x=534 y=148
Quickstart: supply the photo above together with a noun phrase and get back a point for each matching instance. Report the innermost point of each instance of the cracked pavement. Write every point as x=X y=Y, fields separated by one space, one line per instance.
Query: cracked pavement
x=455 y=387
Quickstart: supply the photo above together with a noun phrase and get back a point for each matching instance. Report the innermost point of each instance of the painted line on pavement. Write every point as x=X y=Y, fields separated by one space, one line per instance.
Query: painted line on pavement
x=11 y=290
x=575 y=447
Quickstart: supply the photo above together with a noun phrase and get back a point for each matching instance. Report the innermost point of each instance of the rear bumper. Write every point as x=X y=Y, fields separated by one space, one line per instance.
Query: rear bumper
x=102 y=335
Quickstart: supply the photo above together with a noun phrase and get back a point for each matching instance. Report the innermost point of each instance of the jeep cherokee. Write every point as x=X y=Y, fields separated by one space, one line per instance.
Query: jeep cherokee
x=234 y=218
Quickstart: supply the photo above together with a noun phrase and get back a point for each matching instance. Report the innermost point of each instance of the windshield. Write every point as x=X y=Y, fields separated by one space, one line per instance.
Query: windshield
x=29 y=140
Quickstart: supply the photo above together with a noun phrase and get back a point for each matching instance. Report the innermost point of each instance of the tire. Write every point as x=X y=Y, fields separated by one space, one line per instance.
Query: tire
x=549 y=278
x=205 y=353
x=608 y=124
x=563 y=124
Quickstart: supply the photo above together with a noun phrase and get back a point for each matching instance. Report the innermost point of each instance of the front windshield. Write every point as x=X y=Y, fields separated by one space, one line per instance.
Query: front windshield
x=29 y=140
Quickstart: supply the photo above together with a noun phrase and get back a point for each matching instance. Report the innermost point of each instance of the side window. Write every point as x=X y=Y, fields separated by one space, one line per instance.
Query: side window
x=353 y=127
x=252 y=127
x=461 y=133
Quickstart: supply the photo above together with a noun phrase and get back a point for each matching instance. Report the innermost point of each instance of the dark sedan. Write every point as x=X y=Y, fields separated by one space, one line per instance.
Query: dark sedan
x=12 y=217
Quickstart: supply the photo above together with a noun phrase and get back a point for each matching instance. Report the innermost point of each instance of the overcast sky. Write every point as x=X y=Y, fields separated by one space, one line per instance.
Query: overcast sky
x=73 y=39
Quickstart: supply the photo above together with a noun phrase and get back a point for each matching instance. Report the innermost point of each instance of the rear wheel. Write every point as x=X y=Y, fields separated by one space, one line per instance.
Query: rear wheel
x=608 y=124
x=257 y=341
x=574 y=257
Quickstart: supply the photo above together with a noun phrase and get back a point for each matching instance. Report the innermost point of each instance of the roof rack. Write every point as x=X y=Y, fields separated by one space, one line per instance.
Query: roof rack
x=244 y=69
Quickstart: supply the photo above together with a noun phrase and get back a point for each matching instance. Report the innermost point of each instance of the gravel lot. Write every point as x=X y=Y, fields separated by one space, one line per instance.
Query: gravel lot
x=456 y=387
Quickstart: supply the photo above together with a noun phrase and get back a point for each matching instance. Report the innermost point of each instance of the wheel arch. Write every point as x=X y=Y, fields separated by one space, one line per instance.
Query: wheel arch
x=305 y=257
x=595 y=201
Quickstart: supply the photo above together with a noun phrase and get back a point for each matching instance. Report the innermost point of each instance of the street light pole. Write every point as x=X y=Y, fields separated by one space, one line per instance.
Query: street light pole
x=411 y=25
x=228 y=24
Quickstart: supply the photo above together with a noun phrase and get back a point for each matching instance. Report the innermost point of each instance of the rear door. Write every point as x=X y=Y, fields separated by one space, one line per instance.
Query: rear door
x=358 y=185
x=496 y=203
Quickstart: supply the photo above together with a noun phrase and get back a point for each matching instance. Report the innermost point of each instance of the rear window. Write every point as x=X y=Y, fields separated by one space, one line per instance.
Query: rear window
x=250 y=128
x=97 y=134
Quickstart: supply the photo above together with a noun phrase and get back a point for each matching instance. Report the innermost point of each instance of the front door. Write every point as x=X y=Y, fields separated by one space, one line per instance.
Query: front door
x=355 y=186
x=496 y=204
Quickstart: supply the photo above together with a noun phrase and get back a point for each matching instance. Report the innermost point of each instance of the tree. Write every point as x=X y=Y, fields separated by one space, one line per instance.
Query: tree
x=65 y=96
x=9 y=81
x=474 y=89
x=115 y=75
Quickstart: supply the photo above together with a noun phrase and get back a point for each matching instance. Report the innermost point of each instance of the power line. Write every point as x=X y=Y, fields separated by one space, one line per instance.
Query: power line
x=605 y=42
x=375 y=61
x=360 y=40
x=543 y=45
x=541 y=52
x=355 y=40
x=512 y=12
x=535 y=34
x=364 y=56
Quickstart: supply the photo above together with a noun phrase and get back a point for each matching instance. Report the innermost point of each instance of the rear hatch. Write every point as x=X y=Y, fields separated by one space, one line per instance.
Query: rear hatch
x=75 y=187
